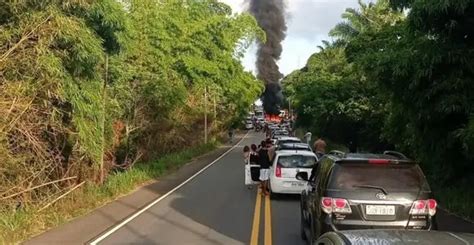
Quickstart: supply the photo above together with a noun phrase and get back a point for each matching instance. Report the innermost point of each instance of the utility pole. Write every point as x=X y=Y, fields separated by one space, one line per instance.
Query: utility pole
x=205 y=115
x=104 y=102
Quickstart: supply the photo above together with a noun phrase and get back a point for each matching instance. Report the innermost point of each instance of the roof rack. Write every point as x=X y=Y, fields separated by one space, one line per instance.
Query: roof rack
x=337 y=153
x=396 y=154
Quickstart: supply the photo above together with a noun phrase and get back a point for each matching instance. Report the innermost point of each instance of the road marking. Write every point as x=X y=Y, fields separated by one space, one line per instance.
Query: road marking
x=256 y=219
x=268 y=221
x=115 y=228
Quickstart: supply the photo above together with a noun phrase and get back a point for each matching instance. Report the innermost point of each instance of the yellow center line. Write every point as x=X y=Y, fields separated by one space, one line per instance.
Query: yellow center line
x=268 y=221
x=256 y=219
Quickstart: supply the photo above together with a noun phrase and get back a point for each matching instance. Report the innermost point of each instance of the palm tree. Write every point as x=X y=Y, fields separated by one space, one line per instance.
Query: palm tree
x=372 y=16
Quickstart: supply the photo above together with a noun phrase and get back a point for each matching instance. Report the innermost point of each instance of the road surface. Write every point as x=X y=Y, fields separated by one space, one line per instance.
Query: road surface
x=211 y=207
x=214 y=208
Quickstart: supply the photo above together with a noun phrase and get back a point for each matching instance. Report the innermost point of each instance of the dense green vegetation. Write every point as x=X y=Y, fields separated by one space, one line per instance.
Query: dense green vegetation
x=399 y=74
x=93 y=86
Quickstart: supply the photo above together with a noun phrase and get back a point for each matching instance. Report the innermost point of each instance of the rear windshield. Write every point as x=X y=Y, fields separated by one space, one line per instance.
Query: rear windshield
x=281 y=142
x=390 y=177
x=296 y=161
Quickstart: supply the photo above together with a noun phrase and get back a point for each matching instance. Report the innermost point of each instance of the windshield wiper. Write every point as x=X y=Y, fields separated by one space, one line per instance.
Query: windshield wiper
x=372 y=187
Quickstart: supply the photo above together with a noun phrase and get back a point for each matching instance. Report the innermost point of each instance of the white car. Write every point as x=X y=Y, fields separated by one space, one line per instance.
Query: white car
x=248 y=125
x=285 y=166
x=288 y=139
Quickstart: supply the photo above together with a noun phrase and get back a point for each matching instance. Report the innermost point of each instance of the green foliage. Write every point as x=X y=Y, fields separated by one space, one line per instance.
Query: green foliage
x=335 y=100
x=91 y=86
x=427 y=67
x=410 y=76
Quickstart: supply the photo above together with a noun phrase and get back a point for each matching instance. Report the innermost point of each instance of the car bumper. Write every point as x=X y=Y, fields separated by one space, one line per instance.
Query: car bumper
x=285 y=186
x=330 y=224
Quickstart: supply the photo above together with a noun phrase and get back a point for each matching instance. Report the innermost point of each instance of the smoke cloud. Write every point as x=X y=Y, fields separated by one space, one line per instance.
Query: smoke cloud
x=270 y=15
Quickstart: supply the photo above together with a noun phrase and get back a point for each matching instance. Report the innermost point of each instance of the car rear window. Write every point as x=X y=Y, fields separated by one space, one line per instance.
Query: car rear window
x=281 y=142
x=296 y=161
x=390 y=177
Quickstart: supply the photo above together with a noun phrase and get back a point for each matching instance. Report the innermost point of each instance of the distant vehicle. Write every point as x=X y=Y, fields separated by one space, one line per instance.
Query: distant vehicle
x=366 y=191
x=285 y=166
x=248 y=124
x=287 y=139
x=280 y=132
x=402 y=237
x=293 y=146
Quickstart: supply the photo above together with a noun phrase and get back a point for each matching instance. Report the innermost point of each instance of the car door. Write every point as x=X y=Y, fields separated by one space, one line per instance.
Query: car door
x=325 y=166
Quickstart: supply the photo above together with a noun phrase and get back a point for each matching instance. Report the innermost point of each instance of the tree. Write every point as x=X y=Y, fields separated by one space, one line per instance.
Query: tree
x=426 y=65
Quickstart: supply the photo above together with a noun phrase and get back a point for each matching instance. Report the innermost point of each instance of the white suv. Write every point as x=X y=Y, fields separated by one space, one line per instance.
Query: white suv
x=286 y=164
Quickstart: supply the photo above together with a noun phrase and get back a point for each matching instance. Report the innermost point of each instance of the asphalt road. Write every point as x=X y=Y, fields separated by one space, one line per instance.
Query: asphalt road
x=214 y=208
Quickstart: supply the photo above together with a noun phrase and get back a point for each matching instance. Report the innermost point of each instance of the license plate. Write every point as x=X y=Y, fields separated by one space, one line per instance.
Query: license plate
x=293 y=184
x=297 y=184
x=379 y=210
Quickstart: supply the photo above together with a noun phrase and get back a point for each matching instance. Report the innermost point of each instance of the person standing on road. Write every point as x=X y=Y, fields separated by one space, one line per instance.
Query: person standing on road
x=307 y=137
x=253 y=160
x=247 y=154
x=264 y=162
x=320 y=147
x=261 y=146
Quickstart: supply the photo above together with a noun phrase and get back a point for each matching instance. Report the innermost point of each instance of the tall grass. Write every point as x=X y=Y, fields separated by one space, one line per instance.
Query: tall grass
x=17 y=226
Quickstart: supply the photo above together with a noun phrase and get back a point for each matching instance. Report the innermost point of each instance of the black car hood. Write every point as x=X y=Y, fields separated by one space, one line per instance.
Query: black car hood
x=406 y=237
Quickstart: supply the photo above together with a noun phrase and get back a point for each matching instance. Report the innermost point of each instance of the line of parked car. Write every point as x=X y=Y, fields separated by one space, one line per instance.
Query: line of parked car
x=357 y=198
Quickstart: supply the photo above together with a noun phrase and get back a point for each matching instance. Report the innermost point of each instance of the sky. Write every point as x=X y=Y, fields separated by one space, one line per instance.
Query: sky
x=309 y=22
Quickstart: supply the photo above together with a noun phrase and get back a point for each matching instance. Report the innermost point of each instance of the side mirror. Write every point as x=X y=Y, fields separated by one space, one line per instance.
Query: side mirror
x=303 y=176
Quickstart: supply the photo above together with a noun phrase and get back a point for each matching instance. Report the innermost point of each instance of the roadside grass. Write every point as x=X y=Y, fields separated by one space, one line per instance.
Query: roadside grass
x=457 y=199
x=18 y=226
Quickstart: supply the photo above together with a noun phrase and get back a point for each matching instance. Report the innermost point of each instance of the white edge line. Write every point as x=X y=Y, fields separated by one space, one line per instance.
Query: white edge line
x=459 y=238
x=130 y=218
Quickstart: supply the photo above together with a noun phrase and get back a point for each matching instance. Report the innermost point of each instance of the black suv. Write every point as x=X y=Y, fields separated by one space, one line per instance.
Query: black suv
x=365 y=191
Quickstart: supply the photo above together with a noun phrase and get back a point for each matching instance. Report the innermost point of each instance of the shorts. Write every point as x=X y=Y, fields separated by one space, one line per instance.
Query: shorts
x=264 y=174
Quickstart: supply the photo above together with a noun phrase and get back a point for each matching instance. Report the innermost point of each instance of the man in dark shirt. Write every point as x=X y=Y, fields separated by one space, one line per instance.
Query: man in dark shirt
x=264 y=160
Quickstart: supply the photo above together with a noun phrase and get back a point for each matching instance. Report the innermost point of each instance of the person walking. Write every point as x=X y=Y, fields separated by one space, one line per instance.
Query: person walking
x=247 y=154
x=320 y=147
x=264 y=162
x=307 y=137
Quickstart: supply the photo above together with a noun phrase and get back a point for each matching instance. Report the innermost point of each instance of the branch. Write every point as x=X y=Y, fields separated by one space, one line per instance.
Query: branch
x=24 y=38
x=63 y=195
x=36 y=187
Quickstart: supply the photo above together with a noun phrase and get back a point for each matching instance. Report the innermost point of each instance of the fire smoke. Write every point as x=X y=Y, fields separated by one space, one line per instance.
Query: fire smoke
x=270 y=15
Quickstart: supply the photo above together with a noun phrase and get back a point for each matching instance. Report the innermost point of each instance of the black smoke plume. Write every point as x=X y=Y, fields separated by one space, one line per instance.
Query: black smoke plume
x=270 y=15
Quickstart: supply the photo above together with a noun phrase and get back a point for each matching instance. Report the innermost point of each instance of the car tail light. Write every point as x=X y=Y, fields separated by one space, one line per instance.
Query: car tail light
x=326 y=205
x=278 y=171
x=424 y=207
x=379 y=161
x=335 y=205
x=432 y=204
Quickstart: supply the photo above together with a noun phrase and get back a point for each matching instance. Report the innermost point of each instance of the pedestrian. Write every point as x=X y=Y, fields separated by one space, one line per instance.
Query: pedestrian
x=264 y=162
x=253 y=154
x=320 y=147
x=246 y=154
x=307 y=137
x=253 y=160
x=262 y=145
